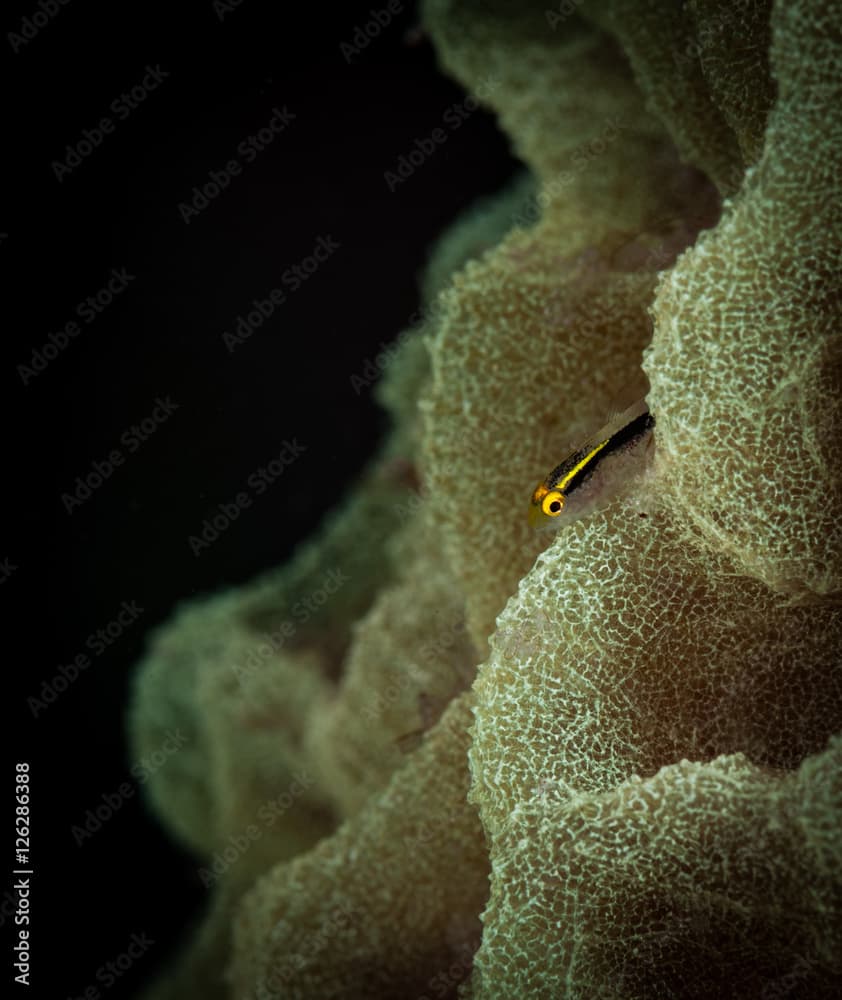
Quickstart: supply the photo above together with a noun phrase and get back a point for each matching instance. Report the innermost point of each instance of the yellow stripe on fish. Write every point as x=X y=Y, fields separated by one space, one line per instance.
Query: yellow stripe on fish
x=551 y=495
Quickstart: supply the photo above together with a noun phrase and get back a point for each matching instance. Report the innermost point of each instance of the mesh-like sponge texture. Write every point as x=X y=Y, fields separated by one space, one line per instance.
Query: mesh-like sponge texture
x=637 y=641
x=660 y=40
x=536 y=82
x=705 y=879
x=746 y=361
x=733 y=50
x=656 y=631
x=237 y=635
x=538 y=339
x=625 y=649
x=410 y=656
x=263 y=723
x=386 y=904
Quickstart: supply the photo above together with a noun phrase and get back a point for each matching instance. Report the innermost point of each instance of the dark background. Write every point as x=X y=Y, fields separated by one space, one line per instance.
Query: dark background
x=162 y=336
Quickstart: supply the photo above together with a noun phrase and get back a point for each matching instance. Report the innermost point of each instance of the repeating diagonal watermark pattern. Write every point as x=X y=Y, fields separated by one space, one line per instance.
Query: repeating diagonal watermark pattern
x=373 y=367
x=87 y=309
x=556 y=185
x=224 y=7
x=365 y=34
x=269 y=644
x=292 y=279
x=564 y=10
x=258 y=483
x=31 y=25
x=274 y=985
x=220 y=178
x=101 y=469
x=444 y=982
x=97 y=642
x=425 y=146
x=110 y=803
x=266 y=816
x=121 y=107
x=7 y=570
x=116 y=967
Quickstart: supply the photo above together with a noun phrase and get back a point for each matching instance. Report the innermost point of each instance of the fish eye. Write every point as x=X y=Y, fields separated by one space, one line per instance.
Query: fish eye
x=552 y=503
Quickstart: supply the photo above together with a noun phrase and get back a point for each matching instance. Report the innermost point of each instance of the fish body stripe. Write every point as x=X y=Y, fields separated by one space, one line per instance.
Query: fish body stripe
x=579 y=466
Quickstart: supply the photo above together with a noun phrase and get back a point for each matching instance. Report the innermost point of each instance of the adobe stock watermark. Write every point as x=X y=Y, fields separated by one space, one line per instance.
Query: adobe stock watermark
x=248 y=149
x=292 y=279
x=10 y=906
x=223 y=7
x=551 y=189
x=691 y=54
x=115 y=968
x=131 y=439
x=97 y=642
x=258 y=482
x=7 y=570
x=420 y=493
x=313 y=944
x=563 y=10
x=422 y=149
x=110 y=803
x=32 y=24
x=448 y=635
x=121 y=107
x=444 y=982
x=364 y=34
x=388 y=696
x=267 y=815
x=88 y=310
x=374 y=367
x=271 y=643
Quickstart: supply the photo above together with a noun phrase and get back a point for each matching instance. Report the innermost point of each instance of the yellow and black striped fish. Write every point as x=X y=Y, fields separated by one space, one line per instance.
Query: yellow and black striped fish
x=623 y=431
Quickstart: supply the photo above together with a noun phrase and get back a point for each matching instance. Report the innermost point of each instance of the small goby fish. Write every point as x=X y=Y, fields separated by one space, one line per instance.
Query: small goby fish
x=624 y=430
